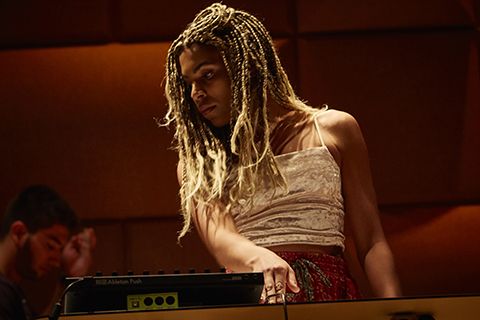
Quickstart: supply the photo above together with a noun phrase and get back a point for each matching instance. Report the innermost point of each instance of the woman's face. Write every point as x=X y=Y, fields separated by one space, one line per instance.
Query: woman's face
x=203 y=69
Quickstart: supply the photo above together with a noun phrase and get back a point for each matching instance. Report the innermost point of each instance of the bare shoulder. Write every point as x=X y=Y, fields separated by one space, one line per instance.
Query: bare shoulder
x=339 y=124
x=334 y=118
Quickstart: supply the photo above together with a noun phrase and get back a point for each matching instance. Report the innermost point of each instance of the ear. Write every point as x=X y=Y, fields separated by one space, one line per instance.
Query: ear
x=19 y=233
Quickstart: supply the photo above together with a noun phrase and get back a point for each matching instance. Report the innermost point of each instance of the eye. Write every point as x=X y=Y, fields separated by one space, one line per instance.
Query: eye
x=208 y=75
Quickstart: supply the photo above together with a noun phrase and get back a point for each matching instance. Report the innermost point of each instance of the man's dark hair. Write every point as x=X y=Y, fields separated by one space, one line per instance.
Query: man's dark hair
x=38 y=207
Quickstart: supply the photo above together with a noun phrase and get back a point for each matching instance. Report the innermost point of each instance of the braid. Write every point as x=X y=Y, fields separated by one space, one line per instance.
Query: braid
x=209 y=154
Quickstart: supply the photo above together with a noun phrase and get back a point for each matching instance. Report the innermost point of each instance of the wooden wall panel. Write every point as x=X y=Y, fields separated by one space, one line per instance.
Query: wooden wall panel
x=81 y=119
x=159 y=20
x=409 y=93
x=109 y=254
x=60 y=23
x=470 y=144
x=331 y=15
x=44 y=23
x=152 y=245
x=436 y=249
x=287 y=52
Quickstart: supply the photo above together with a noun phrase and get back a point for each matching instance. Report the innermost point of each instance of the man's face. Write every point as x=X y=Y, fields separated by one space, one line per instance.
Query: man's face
x=42 y=251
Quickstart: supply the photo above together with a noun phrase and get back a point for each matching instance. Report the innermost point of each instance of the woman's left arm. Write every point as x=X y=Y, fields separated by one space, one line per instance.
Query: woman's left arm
x=361 y=209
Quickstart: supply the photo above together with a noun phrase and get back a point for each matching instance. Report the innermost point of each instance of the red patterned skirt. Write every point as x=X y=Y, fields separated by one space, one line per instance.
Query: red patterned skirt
x=321 y=277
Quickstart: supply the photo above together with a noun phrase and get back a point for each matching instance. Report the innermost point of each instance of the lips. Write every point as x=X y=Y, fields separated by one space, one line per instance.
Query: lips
x=206 y=110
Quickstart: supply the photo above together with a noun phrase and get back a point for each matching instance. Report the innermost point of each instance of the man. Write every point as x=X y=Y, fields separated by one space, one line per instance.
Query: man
x=35 y=238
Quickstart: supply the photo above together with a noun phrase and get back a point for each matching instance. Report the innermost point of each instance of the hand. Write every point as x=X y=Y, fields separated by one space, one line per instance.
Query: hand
x=278 y=275
x=77 y=254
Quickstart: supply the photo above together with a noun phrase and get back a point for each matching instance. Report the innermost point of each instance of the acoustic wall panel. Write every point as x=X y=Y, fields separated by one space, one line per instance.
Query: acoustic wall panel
x=152 y=245
x=412 y=95
x=437 y=249
x=82 y=119
x=351 y=15
x=159 y=20
x=47 y=23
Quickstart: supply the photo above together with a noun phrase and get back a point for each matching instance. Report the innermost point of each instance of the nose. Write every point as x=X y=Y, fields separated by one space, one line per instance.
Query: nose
x=56 y=258
x=197 y=92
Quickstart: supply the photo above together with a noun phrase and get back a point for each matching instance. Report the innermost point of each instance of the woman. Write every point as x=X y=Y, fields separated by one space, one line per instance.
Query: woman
x=267 y=179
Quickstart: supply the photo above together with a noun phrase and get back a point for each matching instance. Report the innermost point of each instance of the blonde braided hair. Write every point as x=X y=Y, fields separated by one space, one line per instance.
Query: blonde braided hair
x=209 y=154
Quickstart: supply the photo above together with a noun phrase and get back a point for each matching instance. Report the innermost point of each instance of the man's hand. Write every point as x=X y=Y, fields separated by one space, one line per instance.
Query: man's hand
x=77 y=254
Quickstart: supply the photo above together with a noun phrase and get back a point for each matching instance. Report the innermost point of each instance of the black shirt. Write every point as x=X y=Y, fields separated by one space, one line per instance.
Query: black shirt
x=13 y=302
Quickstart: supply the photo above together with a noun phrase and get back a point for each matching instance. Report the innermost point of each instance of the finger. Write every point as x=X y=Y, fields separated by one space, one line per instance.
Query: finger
x=279 y=287
x=263 y=296
x=269 y=287
x=73 y=238
x=86 y=240
x=292 y=281
x=275 y=286
x=93 y=238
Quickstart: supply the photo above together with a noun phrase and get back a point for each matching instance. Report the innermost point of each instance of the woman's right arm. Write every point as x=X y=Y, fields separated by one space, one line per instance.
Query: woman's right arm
x=233 y=251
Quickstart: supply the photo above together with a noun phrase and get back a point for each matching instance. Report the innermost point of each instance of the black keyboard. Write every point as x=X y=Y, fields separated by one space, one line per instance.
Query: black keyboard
x=161 y=291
